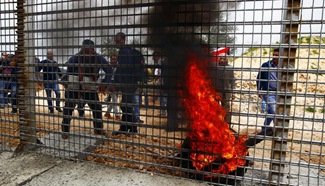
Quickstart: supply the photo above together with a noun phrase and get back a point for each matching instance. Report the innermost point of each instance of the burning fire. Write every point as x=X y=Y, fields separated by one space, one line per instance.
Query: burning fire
x=211 y=137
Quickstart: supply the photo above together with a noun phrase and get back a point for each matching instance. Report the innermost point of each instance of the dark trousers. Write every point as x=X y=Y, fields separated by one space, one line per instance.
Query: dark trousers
x=14 y=93
x=128 y=117
x=48 y=89
x=71 y=100
x=81 y=108
x=173 y=108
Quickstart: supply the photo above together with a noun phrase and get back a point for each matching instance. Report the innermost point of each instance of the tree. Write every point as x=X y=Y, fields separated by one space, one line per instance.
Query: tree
x=110 y=48
x=219 y=35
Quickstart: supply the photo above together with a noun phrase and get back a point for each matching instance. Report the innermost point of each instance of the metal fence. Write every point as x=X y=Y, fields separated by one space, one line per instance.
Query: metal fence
x=195 y=113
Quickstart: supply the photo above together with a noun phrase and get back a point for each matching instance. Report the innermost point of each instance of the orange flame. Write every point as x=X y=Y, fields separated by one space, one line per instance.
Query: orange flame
x=210 y=135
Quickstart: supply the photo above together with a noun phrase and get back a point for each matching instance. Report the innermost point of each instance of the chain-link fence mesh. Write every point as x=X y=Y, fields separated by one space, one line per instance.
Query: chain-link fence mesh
x=194 y=89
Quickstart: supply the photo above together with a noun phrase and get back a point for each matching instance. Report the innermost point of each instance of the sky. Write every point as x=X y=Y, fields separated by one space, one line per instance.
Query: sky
x=257 y=23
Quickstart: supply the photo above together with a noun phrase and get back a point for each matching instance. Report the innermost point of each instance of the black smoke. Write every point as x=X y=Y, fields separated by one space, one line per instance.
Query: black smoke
x=62 y=26
x=175 y=28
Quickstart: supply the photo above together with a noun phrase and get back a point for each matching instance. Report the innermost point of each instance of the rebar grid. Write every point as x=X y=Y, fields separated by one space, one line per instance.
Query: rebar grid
x=252 y=29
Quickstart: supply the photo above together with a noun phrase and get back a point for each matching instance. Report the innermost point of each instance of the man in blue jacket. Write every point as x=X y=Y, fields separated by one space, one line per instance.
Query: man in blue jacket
x=267 y=80
x=50 y=71
x=83 y=76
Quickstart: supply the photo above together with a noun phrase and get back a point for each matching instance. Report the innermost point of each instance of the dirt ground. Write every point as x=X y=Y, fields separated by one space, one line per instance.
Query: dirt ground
x=154 y=146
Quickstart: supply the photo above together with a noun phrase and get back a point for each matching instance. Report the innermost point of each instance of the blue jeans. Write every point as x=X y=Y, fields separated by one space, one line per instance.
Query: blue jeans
x=270 y=101
x=113 y=103
x=163 y=102
x=137 y=101
x=81 y=108
x=4 y=85
x=146 y=98
x=48 y=89
x=14 y=92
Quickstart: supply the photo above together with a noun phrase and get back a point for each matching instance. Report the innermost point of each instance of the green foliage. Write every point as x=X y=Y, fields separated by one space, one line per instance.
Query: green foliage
x=316 y=40
x=315 y=52
x=219 y=35
x=264 y=51
x=310 y=109
x=304 y=39
x=311 y=40
x=250 y=50
x=110 y=48
x=322 y=110
x=313 y=66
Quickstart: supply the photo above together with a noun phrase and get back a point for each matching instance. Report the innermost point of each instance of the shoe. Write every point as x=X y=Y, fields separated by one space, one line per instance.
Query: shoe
x=51 y=111
x=118 y=118
x=141 y=121
x=59 y=110
x=108 y=116
x=130 y=133
x=65 y=136
x=115 y=133
x=13 y=112
x=251 y=163
x=100 y=132
x=163 y=113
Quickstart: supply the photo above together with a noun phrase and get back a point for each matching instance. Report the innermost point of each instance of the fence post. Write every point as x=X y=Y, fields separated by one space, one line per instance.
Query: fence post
x=26 y=93
x=287 y=64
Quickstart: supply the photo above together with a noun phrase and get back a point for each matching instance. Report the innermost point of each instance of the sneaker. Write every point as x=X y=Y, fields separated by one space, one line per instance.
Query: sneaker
x=100 y=132
x=163 y=113
x=65 y=136
x=130 y=133
x=108 y=116
x=51 y=111
x=115 y=133
x=13 y=112
x=59 y=110
x=118 y=118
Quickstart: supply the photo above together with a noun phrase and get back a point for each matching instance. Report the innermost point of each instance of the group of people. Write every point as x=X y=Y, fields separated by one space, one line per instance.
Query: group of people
x=122 y=75
x=8 y=82
x=82 y=82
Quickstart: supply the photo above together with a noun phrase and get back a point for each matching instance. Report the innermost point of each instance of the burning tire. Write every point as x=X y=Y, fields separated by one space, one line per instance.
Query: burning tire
x=186 y=162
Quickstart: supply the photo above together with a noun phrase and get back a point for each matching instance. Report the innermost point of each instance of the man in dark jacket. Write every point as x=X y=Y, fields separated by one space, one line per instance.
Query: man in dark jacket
x=267 y=81
x=83 y=74
x=126 y=79
x=50 y=71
